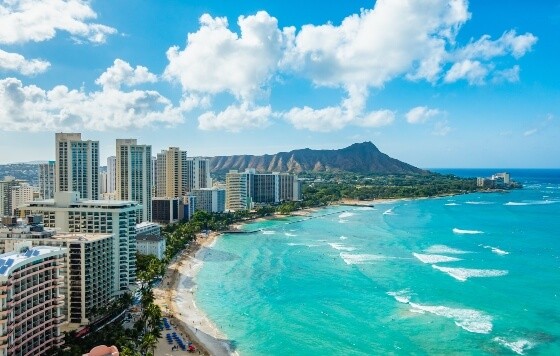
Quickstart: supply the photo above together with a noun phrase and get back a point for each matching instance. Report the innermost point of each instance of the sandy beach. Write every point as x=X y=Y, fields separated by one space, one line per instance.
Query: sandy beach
x=175 y=296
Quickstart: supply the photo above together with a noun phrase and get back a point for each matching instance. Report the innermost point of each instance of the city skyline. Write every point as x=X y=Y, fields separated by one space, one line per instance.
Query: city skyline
x=455 y=84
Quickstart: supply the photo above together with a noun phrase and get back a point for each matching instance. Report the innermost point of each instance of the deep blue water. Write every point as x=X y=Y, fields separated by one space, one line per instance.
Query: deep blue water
x=475 y=274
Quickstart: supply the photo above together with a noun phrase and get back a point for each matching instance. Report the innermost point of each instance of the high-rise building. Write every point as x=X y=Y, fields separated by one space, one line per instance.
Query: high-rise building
x=6 y=185
x=77 y=165
x=198 y=173
x=111 y=174
x=167 y=210
x=21 y=194
x=210 y=200
x=103 y=183
x=134 y=175
x=68 y=213
x=47 y=180
x=154 y=175
x=237 y=197
x=171 y=169
x=30 y=319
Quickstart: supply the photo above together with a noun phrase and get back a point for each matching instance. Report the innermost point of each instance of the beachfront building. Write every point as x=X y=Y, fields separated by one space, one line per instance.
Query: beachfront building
x=21 y=194
x=497 y=180
x=198 y=173
x=134 y=175
x=77 y=165
x=237 y=197
x=47 y=180
x=189 y=206
x=30 y=300
x=148 y=228
x=68 y=213
x=87 y=265
x=167 y=210
x=210 y=200
x=171 y=167
x=151 y=245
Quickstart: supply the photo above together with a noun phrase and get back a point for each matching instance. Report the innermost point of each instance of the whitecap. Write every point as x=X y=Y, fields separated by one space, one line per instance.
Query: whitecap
x=364 y=208
x=435 y=249
x=517 y=346
x=452 y=204
x=496 y=250
x=388 y=212
x=345 y=215
x=402 y=296
x=479 y=202
x=466 y=232
x=351 y=259
x=470 y=320
x=435 y=258
x=462 y=274
x=342 y=221
x=301 y=244
x=533 y=202
x=343 y=237
x=289 y=234
x=268 y=232
x=341 y=247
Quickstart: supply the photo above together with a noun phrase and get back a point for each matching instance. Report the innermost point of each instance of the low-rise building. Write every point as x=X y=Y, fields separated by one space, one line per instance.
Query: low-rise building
x=151 y=245
x=148 y=228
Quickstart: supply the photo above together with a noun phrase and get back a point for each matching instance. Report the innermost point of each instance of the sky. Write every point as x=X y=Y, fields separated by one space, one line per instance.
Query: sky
x=434 y=83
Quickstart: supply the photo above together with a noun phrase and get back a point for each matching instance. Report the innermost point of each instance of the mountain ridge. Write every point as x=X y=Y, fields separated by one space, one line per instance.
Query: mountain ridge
x=362 y=157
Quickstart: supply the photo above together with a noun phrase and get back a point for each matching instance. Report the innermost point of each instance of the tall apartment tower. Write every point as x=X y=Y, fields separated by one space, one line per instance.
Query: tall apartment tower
x=77 y=165
x=111 y=174
x=21 y=194
x=198 y=173
x=6 y=203
x=47 y=179
x=171 y=169
x=134 y=175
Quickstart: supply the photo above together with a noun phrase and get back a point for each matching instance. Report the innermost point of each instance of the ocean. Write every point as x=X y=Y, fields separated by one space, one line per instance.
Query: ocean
x=475 y=274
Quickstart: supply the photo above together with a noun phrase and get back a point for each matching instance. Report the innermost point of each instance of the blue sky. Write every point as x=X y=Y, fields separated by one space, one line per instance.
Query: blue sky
x=435 y=83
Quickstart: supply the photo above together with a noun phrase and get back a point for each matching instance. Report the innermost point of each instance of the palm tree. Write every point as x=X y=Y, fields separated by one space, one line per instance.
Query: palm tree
x=148 y=344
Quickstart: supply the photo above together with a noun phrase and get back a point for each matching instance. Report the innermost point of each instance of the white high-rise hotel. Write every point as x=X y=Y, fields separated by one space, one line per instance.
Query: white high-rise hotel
x=134 y=175
x=77 y=165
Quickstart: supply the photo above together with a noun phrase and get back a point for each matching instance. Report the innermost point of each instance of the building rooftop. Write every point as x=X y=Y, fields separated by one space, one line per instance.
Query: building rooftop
x=11 y=260
x=151 y=238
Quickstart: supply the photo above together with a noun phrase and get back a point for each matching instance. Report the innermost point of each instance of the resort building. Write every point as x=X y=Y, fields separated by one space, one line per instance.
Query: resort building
x=47 y=180
x=167 y=210
x=497 y=180
x=237 y=197
x=189 y=206
x=111 y=174
x=134 y=175
x=21 y=194
x=68 y=213
x=77 y=165
x=87 y=265
x=148 y=228
x=171 y=167
x=30 y=301
x=151 y=245
x=198 y=173
x=210 y=200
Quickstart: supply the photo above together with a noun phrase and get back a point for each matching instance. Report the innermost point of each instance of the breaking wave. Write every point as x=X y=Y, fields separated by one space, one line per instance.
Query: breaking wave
x=435 y=249
x=351 y=259
x=341 y=247
x=496 y=250
x=462 y=274
x=466 y=232
x=517 y=346
x=431 y=259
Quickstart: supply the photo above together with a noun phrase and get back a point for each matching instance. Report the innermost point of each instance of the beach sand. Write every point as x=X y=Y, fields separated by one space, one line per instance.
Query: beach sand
x=175 y=296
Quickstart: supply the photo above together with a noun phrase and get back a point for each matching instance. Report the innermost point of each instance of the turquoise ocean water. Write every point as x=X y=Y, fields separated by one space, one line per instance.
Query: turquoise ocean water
x=476 y=274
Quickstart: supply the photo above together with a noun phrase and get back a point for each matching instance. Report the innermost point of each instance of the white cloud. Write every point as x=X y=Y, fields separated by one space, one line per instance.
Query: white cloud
x=236 y=118
x=441 y=128
x=510 y=75
x=122 y=73
x=38 y=20
x=378 y=118
x=508 y=43
x=217 y=60
x=420 y=114
x=472 y=71
x=16 y=62
x=322 y=120
x=530 y=132
x=35 y=109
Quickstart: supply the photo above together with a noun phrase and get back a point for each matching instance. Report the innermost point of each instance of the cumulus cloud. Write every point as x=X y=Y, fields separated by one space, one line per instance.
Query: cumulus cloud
x=472 y=71
x=32 y=108
x=510 y=75
x=38 y=20
x=216 y=60
x=122 y=72
x=509 y=43
x=420 y=114
x=17 y=63
x=236 y=118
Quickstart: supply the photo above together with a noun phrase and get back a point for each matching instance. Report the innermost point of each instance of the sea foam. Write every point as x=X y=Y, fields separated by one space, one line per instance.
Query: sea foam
x=533 y=202
x=435 y=249
x=452 y=204
x=517 y=346
x=466 y=232
x=462 y=274
x=341 y=247
x=268 y=232
x=345 y=215
x=389 y=212
x=289 y=234
x=343 y=237
x=470 y=320
x=479 y=202
x=431 y=259
x=352 y=259
x=496 y=250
